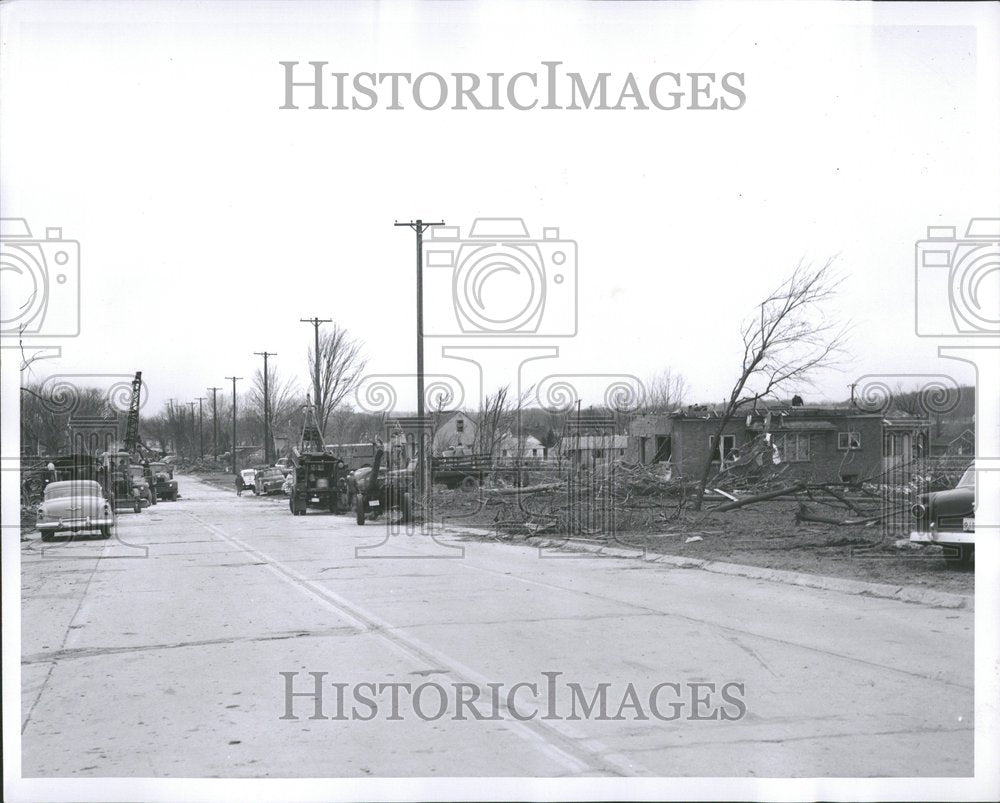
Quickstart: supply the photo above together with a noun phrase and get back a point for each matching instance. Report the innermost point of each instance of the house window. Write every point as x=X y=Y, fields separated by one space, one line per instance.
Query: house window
x=534 y=452
x=793 y=447
x=728 y=446
x=848 y=440
x=460 y=425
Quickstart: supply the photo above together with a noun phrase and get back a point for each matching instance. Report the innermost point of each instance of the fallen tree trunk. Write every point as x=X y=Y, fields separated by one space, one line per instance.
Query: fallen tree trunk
x=527 y=489
x=805 y=514
x=749 y=500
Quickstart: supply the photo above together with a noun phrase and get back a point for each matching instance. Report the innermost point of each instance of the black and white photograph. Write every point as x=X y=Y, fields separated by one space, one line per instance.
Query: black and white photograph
x=500 y=400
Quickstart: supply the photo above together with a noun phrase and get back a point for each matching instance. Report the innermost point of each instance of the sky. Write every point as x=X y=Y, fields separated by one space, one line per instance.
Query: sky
x=210 y=220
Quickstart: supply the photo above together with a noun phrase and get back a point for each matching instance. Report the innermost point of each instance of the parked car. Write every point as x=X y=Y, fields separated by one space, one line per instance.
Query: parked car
x=164 y=483
x=245 y=480
x=268 y=481
x=74 y=506
x=285 y=465
x=948 y=518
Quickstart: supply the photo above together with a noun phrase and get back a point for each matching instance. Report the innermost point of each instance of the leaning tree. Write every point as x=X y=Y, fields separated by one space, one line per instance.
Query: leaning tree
x=785 y=342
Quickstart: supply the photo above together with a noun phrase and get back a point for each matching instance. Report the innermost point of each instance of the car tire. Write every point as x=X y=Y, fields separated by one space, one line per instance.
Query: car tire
x=137 y=506
x=47 y=536
x=152 y=496
x=406 y=507
x=105 y=532
x=359 y=508
x=470 y=484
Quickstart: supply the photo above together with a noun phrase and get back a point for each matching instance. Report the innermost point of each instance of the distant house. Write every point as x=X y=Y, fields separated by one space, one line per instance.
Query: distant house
x=453 y=430
x=952 y=442
x=526 y=448
x=822 y=444
x=589 y=450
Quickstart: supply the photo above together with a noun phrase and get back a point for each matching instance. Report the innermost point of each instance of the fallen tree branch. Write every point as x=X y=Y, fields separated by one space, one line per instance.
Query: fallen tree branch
x=749 y=500
x=804 y=514
x=527 y=489
x=843 y=498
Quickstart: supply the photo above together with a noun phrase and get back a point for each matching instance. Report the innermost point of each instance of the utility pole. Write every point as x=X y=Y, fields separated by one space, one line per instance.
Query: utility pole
x=215 y=424
x=201 y=430
x=191 y=405
x=316 y=395
x=234 y=378
x=419 y=226
x=173 y=422
x=267 y=407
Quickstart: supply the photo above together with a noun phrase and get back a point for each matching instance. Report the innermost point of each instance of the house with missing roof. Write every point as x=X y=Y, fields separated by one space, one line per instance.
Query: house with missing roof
x=817 y=444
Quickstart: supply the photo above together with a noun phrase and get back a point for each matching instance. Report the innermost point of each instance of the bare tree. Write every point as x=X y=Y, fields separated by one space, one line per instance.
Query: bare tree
x=341 y=366
x=47 y=410
x=499 y=413
x=664 y=392
x=784 y=343
x=281 y=402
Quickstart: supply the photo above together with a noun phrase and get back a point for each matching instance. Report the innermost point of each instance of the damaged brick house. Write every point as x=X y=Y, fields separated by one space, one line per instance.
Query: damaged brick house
x=821 y=444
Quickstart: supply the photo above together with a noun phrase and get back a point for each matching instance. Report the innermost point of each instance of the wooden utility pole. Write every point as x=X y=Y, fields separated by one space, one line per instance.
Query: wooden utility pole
x=201 y=429
x=191 y=405
x=215 y=424
x=316 y=394
x=234 y=378
x=419 y=226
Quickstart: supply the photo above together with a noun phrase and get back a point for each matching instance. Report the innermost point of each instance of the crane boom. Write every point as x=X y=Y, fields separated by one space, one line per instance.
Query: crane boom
x=132 y=423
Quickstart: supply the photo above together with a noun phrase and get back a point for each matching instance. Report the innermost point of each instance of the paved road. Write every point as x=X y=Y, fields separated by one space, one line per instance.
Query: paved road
x=160 y=653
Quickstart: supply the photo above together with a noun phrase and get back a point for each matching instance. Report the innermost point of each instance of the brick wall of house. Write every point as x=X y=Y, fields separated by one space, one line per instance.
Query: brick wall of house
x=690 y=442
x=829 y=463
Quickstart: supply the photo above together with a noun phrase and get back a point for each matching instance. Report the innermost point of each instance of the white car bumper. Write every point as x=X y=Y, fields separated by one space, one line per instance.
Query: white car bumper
x=943 y=537
x=74 y=525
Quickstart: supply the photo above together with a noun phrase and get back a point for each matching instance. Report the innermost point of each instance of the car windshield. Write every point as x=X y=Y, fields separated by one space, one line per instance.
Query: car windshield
x=135 y=471
x=68 y=490
x=968 y=478
x=160 y=468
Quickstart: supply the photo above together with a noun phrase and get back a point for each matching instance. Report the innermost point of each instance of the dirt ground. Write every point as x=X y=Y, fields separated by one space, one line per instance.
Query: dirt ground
x=765 y=535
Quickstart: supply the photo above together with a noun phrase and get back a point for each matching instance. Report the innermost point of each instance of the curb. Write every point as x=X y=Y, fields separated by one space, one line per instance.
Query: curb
x=910 y=594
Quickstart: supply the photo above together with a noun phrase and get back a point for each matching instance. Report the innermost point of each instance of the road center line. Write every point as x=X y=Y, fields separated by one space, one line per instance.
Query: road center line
x=590 y=755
